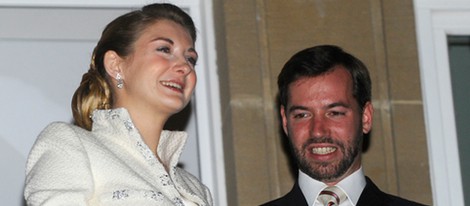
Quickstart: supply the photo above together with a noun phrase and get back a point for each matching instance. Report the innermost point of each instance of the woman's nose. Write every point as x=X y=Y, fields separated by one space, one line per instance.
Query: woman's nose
x=183 y=66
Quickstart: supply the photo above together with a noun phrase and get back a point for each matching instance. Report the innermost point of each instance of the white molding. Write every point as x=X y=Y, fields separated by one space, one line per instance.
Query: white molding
x=208 y=114
x=434 y=21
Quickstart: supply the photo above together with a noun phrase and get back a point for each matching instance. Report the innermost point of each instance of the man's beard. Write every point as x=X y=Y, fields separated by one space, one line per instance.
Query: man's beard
x=328 y=172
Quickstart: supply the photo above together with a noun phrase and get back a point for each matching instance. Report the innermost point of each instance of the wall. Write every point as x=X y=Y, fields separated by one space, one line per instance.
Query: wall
x=256 y=37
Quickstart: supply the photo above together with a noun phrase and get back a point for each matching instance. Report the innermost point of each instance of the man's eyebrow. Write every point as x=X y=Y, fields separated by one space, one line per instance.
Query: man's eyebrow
x=329 y=106
x=296 y=107
x=338 y=104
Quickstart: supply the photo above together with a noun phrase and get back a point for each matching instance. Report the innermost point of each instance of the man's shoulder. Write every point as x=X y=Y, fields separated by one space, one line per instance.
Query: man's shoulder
x=276 y=202
x=293 y=198
x=286 y=200
x=372 y=195
x=394 y=200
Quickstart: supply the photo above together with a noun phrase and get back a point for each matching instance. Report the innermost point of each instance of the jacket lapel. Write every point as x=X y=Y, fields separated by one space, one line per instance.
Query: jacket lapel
x=371 y=195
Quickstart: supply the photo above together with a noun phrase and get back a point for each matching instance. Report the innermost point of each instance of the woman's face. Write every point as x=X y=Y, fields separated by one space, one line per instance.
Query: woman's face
x=159 y=74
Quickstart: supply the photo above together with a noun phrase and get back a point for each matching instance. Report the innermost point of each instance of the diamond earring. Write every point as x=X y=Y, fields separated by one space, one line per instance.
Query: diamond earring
x=120 y=82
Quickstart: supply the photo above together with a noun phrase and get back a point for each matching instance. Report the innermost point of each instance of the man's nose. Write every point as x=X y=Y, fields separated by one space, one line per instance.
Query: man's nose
x=319 y=126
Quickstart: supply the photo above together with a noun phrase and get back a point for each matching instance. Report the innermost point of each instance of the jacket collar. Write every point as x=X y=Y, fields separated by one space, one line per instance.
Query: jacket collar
x=118 y=123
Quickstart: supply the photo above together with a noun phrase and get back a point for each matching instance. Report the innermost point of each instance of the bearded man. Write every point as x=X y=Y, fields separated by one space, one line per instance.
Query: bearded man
x=325 y=106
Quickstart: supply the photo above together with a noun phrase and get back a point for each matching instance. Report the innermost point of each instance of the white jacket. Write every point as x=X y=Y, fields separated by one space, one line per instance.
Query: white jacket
x=111 y=165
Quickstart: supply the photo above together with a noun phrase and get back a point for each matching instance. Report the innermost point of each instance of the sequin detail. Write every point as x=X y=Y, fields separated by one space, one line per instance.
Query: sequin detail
x=178 y=201
x=165 y=180
x=120 y=194
x=145 y=151
x=113 y=114
x=157 y=196
x=129 y=125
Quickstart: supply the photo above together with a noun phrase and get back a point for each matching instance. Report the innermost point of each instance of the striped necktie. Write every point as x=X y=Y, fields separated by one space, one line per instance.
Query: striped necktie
x=331 y=196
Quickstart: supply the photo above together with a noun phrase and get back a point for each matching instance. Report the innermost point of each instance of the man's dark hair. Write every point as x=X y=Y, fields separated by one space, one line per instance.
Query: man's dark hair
x=319 y=60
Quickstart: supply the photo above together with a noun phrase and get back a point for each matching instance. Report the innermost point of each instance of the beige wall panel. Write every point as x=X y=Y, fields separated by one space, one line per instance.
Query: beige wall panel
x=246 y=102
x=243 y=48
x=411 y=151
x=408 y=122
x=402 y=51
x=295 y=25
x=250 y=148
x=373 y=158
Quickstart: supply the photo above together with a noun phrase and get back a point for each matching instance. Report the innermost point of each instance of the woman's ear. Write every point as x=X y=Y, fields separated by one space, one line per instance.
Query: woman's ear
x=112 y=63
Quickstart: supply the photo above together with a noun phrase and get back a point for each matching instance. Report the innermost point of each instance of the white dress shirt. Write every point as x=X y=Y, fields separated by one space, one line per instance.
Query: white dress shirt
x=352 y=186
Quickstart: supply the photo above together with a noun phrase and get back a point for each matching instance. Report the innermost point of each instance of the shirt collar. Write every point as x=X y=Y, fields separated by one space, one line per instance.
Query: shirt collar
x=310 y=187
x=351 y=185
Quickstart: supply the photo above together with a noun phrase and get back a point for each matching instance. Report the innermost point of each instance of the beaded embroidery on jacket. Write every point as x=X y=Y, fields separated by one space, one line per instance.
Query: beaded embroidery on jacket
x=116 y=115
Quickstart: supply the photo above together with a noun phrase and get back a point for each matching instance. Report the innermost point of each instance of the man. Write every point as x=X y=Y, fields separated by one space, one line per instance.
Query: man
x=325 y=97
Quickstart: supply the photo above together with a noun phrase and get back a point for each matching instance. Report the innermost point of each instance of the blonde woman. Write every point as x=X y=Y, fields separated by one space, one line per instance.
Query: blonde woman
x=117 y=153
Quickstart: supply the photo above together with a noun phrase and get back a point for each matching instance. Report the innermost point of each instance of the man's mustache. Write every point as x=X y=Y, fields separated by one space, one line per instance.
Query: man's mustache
x=317 y=140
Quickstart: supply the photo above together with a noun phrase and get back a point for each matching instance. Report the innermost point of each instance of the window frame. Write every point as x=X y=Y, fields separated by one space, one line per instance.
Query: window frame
x=435 y=20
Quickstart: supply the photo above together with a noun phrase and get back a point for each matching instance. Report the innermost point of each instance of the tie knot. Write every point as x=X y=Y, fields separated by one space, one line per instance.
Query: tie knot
x=331 y=196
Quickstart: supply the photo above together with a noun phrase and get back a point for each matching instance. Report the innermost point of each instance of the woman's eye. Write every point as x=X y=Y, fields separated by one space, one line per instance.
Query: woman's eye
x=164 y=49
x=192 y=60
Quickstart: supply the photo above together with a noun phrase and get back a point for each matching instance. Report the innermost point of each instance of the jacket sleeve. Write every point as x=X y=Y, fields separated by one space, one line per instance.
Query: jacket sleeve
x=58 y=169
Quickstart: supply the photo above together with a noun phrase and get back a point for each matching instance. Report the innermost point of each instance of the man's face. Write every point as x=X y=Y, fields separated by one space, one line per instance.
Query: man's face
x=325 y=125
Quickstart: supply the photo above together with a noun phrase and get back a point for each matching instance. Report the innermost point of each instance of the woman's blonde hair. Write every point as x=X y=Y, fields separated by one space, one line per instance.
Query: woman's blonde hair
x=119 y=36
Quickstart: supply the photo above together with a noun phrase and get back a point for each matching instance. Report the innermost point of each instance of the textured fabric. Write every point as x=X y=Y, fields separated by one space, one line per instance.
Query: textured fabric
x=371 y=196
x=111 y=165
x=294 y=198
x=331 y=196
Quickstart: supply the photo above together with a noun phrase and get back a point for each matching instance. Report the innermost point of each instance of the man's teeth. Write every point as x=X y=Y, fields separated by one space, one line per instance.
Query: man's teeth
x=323 y=150
x=172 y=84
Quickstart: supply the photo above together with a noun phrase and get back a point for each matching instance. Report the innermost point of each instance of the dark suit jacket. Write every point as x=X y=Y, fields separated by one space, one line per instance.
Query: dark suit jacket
x=370 y=196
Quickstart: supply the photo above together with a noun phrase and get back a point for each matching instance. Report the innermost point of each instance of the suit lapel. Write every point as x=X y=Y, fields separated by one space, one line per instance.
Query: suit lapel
x=294 y=198
x=371 y=195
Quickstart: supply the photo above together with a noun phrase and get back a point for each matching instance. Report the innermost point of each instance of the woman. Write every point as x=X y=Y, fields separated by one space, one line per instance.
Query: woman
x=142 y=72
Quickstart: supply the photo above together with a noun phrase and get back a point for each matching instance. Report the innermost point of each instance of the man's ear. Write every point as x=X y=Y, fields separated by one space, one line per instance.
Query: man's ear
x=367 y=117
x=112 y=63
x=284 y=119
